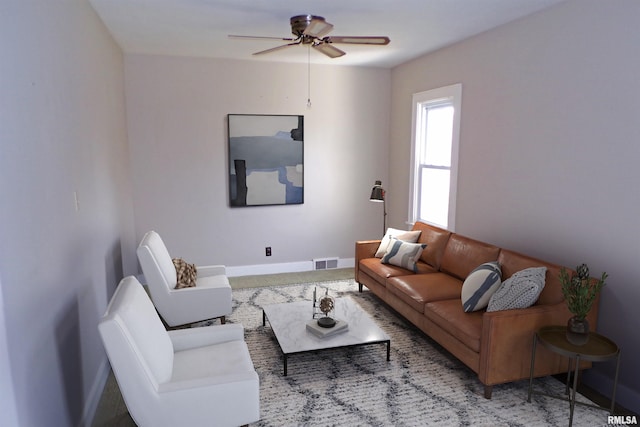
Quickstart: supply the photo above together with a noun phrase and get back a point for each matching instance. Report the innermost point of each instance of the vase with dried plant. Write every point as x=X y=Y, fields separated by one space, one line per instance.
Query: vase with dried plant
x=580 y=291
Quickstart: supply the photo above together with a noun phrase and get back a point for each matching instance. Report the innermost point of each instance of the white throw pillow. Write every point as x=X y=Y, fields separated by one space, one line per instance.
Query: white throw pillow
x=520 y=290
x=403 y=254
x=404 y=235
x=479 y=285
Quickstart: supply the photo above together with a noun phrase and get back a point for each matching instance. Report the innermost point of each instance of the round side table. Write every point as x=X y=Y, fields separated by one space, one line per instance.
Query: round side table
x=598 y=349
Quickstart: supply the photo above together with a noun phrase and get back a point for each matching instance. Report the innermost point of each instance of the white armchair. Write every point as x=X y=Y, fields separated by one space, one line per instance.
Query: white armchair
x=192 y=377
x=210 y=298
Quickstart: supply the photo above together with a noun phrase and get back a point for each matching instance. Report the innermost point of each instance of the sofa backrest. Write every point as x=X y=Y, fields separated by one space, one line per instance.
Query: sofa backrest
x=436 y=240
x=511 y=262
x=462 y=255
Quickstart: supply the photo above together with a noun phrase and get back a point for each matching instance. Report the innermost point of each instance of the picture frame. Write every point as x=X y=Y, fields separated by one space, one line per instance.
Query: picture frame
x=266 y=159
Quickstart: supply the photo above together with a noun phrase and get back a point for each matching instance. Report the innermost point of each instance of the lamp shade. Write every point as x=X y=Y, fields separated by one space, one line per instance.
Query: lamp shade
x=377 y=192
x=377 y=195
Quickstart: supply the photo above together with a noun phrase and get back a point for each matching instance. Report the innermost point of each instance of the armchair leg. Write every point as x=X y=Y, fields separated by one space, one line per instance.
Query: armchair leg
x=223 y=320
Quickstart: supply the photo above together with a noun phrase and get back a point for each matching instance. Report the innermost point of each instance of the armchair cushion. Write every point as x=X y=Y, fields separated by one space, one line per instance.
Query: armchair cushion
x=211 y=361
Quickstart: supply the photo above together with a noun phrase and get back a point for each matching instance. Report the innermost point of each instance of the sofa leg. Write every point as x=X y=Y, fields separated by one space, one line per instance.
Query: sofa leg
x=359 y=287
x=487 y=391
x=223 y=320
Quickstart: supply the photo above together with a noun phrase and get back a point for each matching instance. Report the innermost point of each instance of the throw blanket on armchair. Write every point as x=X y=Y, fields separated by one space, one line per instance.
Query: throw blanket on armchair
x=186 y=273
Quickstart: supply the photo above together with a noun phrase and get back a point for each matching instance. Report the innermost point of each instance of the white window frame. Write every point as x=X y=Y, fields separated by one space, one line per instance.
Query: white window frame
x=449 y=94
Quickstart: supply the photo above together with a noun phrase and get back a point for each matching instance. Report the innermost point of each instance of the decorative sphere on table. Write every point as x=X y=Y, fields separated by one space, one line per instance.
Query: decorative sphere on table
x=327 y=305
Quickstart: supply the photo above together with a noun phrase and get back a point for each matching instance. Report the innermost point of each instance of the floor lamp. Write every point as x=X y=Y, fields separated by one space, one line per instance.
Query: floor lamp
x=377 y=195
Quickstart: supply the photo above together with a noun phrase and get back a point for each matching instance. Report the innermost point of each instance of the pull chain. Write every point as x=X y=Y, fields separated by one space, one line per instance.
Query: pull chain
x=309 y=77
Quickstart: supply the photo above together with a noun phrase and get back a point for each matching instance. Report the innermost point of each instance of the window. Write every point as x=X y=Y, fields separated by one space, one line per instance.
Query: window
x=434 y=158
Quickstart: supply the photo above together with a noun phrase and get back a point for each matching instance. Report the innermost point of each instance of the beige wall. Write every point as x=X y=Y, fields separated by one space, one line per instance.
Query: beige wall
x=548 y=150
x=177 y=113
x=63 y=130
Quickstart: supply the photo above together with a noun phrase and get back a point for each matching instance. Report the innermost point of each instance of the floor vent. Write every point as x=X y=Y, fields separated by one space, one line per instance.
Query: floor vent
x=325 y=263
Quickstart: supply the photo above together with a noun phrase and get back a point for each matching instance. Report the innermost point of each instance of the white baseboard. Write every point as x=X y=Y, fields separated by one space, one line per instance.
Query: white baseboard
x=286 y=267
x=283 y=267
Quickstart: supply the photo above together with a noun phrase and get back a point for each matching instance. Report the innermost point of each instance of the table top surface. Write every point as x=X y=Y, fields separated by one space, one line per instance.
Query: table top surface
x=289 y=324
x=597 y=348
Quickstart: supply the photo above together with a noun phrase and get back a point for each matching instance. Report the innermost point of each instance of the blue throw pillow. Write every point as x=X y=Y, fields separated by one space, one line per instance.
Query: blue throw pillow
x=479 y=285
x=403 y=254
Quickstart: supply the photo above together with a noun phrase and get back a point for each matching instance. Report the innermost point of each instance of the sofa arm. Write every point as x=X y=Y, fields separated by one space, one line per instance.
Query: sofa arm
x=365 y=249
x=507 y=340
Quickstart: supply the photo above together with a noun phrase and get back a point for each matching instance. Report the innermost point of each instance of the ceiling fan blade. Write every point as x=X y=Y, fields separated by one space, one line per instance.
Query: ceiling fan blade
x=377 y=40
x=318 y=28
x=286 y=39
x=273 y=49
x=327 y=49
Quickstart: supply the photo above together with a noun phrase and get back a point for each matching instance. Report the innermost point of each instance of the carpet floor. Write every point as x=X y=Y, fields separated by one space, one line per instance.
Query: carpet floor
x=422 y=385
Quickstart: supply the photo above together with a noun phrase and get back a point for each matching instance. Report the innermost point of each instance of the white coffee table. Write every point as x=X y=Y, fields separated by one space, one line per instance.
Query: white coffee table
x=288 y=322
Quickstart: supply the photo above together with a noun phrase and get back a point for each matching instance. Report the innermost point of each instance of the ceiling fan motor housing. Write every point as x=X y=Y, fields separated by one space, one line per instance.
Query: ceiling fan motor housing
x=300 y=23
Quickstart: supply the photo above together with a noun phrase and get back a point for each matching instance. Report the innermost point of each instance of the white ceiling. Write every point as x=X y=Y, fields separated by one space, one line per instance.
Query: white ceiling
x=200 y=27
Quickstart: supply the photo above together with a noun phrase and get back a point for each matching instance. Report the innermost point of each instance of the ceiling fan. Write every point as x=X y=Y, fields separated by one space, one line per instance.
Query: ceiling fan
x=312 y=30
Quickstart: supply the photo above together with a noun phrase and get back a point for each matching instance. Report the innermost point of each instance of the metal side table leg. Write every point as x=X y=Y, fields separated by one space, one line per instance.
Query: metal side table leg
x=615 y=385
x=572 y=397
x=533 y=362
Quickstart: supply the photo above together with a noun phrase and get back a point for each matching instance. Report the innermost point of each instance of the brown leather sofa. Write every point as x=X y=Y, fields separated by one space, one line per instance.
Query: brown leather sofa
x=495 y=345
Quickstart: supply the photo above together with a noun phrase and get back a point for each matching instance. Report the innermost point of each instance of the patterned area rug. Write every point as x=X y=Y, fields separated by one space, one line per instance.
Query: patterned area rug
x=422 y=385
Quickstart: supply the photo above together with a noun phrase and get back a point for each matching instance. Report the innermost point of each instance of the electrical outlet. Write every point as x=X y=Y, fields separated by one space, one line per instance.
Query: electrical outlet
x=267 y=251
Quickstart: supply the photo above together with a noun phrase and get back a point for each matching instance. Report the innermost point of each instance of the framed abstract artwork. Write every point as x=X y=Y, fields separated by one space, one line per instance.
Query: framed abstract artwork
x=266 y=159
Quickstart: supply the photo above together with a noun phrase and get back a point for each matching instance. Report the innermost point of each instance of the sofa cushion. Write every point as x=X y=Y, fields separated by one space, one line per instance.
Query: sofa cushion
x=463 y=254
x=379 y=271
x=519 y=291
x=418 y=289
x=449 y=315
x=404 y=235
x=436 y=240
x=403 y=254
x=479 y=285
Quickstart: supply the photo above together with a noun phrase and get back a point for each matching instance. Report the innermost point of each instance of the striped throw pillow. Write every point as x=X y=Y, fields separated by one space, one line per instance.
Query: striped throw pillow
x=479 y=285
x=403 y=254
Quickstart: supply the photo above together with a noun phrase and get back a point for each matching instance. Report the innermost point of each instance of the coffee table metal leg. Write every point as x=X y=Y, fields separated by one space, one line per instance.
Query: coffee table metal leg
x=285 y=365
x=388 y=350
